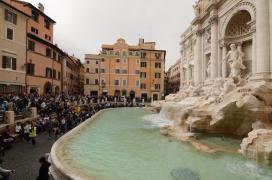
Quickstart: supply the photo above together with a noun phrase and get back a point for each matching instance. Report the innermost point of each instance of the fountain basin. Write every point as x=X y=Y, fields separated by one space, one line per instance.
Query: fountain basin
x=124 y=144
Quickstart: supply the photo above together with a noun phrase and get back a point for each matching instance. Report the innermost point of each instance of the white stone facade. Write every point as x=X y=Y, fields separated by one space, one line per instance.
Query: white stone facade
x=217 y=25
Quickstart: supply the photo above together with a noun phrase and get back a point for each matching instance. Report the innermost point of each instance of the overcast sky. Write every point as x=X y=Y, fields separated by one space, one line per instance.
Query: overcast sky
x=84 y=25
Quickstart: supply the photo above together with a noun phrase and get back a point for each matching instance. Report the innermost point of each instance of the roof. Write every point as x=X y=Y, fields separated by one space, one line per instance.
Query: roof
x=44 y=42
x=36 y=9
x=3 y=2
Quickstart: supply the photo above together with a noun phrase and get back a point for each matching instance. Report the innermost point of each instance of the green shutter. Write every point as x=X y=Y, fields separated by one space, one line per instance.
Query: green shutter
x=4 y=62
x=14 y=63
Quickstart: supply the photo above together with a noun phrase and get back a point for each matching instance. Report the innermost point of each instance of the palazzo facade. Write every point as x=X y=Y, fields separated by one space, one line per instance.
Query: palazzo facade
x=218 y=24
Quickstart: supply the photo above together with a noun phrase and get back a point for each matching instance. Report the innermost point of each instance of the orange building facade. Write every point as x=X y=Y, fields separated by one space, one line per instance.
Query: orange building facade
x=126 y=70
x=43 y=58
x=12 y=49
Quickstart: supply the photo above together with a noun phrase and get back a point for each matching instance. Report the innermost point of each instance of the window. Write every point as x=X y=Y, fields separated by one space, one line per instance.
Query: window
x=124 y=53
x=158 y=55
x=48 y=72
x=143 y=86
x=117 y=53
x=58 y=75
x=35 y=16
x=54 y=55
x=10 y=17
x=143 y=75
x=157 y=65
x=87 y=81
x=8 y=62
x=103 y=82
x=157 y=75
x=48 y=52
x=96 y=70
x=130 y=53
x=96 y=82
x=125 y=61
x=31 y=45
x=30 y=69
x=46 y=36
x=54 y=74
x=157 y=86
x=59 y=58
x=143 y=64
x=34 y=30
x=96 y=62
x=46 y=24
x=102 y=70
x=137 y=72
x=87 y=70
x=117 y=60
x=88 y=62
x=117 y=71
x=9 y=33
x=138 y=61
x=124 y=82
x=137 y=83
x=116 y=82
x=143 y=55
x=124 y=71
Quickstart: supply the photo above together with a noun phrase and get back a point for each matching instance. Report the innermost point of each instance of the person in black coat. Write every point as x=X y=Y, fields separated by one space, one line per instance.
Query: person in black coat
x=43 y=171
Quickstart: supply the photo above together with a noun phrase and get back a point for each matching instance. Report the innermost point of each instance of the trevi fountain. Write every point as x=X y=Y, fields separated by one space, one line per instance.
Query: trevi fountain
x=217 y=127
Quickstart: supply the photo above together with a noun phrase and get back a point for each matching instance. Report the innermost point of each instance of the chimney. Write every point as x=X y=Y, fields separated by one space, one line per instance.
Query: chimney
x=41 y=7
x=141 y=41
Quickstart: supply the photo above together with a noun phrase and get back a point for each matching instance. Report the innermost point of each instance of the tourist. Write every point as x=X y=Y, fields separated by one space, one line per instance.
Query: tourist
x=44 y=169
x=26 y=130
x=33 y=134
x=19 y=130
x=49 y=126
x=5 y=173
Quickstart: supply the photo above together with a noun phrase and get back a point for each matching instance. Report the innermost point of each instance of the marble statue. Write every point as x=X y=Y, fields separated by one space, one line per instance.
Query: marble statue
x=235 y=59
x=196 y=7
x=208 y=69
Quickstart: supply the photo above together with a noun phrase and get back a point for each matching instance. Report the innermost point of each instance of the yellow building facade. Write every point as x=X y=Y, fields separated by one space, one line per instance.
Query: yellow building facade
x=126 y=70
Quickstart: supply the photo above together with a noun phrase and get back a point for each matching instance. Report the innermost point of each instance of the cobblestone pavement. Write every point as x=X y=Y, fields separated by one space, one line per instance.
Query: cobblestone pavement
x=23 y=157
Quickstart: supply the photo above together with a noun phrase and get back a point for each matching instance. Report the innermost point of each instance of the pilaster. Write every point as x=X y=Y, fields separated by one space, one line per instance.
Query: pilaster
x=262 y=40
x=214 y=44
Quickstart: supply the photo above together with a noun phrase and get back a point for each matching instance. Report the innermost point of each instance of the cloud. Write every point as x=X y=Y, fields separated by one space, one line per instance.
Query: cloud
x=84 y=25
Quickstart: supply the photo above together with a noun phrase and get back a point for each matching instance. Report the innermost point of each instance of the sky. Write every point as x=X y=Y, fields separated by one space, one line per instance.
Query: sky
x=84 y=25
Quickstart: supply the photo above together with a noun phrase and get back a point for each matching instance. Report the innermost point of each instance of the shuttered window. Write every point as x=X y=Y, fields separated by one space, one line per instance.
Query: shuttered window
x=30 y=69
x=10 y=16
x=9 y=33
x=8 y=62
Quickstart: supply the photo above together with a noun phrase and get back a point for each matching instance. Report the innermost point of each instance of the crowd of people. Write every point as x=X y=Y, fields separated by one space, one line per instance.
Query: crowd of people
x=57 y=115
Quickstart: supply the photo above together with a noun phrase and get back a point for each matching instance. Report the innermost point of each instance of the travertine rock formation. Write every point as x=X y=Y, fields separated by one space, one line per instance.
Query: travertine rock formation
x=226 y=107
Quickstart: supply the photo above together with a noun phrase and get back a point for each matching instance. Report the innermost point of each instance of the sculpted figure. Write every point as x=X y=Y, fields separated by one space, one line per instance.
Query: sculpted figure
x=208 y=70
x=196 y=7
x=235 y=59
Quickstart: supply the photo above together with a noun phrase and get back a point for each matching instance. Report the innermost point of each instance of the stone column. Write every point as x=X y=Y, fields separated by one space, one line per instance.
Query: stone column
x=187 y=69
x=262 y=38
x=254 y=60
x=10 y=117
x=270 y=10
x=214 y=44
x=224 y=62
x=33 y=111
x=198 y=58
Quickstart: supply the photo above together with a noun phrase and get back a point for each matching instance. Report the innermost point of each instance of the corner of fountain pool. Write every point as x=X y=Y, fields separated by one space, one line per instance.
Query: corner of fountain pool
x=126 y=144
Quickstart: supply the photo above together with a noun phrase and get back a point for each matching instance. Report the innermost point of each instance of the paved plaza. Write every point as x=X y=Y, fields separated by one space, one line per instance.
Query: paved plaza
x=23 y=157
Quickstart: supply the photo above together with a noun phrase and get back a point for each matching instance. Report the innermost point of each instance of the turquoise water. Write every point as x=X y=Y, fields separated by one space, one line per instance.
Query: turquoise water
x=122 y=145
